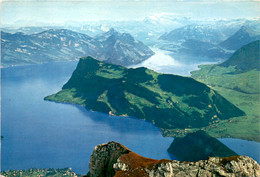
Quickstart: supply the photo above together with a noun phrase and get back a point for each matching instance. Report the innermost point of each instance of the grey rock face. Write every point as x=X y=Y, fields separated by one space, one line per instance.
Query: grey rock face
x=104 y=158
x=113 y=159
x=235 y=166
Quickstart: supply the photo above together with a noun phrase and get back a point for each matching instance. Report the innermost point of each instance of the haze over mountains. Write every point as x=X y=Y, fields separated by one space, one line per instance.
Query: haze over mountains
x=209 y=40
x=147 y=30
x=184 y=35
x=65 y=45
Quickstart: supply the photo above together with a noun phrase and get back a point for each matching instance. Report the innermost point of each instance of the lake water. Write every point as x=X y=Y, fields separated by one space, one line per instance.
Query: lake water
x=166 y=62
x=42 y=134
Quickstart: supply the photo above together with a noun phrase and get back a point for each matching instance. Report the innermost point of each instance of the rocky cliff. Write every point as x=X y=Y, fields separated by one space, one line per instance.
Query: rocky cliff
x=113 y=159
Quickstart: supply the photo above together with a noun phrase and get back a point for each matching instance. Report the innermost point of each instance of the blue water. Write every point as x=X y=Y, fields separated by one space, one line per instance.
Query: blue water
x=243 y=147
x=42 y=134
x=170 y=63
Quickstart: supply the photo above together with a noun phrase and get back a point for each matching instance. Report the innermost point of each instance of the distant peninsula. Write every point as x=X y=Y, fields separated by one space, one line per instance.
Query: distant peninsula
x=168 y=101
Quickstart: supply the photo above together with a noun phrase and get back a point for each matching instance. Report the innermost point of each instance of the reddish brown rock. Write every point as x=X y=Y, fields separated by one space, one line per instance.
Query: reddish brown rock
x=115 y=160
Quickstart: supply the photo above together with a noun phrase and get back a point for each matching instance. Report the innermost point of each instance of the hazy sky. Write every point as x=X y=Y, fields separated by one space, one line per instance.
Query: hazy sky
x=90 y=10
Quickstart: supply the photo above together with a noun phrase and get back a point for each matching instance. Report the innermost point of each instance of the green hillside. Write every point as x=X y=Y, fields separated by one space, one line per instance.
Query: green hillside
x=168 y=101
x=246 y=58
x=199 y=146
x=240 y=85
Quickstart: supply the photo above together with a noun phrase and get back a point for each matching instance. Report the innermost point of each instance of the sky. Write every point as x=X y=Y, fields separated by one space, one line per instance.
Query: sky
x=60 y=11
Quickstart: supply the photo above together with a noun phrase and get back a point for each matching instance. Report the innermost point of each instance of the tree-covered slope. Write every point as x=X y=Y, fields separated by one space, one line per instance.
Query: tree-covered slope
x=246 y=58
x=199 y=146
x=169 y=101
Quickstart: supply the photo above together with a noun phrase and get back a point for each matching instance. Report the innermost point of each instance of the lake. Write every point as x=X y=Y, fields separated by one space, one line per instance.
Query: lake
x=167 y=62
x=42 y=134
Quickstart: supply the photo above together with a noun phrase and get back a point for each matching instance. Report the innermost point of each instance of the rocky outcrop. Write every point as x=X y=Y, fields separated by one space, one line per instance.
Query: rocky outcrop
x=113 y=159
x=105 y=157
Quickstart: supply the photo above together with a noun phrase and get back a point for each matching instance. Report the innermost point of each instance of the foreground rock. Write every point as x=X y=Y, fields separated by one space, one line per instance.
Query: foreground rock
x=113 y=159
x=199 y=146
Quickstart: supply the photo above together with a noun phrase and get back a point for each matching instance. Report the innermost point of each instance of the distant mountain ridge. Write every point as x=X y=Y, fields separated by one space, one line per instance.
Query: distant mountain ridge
x=203 y=33
x=209 y=40
x=123 y=47
x=64 y=45
x=168 y=101
x=196 y=40
x=242 y=37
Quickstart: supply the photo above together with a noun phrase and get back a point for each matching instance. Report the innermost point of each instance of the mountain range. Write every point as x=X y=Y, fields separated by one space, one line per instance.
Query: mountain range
x=204 y=33
x=168 y=101
x=242 y=37
x=146 y=30
x=209 y=41
x=64 y=45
